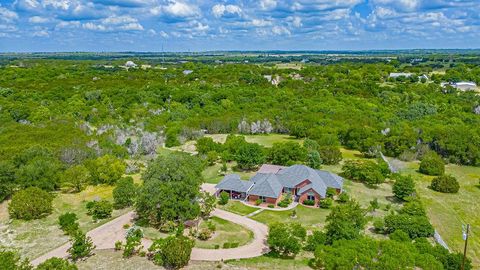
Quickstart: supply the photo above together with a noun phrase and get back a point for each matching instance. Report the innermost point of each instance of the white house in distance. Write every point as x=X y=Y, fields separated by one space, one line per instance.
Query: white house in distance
x=462 y=86
x=400 y=74
x=130 y=64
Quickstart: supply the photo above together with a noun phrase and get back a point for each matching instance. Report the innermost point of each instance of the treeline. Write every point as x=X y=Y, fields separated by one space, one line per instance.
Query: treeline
x=350 y=101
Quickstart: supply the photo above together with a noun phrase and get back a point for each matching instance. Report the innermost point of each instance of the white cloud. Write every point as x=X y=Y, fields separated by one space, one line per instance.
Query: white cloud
x=38 y=19
x=7 y=15
x=41 y=33
x=219 y=10
x=268 y=4
x=280 y=30
x=180 y=9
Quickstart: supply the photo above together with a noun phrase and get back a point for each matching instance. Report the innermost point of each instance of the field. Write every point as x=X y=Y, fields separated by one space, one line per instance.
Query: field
x=448 y=212
x=226 y=232
x=29 y=237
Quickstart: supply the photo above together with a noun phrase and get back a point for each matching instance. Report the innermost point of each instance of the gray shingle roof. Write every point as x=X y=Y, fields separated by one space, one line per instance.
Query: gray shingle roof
x=330 y=179
x=294 y=175
x=234 y=183
x=266 y=185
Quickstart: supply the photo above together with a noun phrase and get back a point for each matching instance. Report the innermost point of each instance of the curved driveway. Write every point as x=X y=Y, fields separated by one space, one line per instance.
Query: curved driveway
x=105 y=236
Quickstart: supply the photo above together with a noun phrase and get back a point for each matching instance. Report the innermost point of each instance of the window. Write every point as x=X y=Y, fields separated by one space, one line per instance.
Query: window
x=263 y=198
x=311 y=197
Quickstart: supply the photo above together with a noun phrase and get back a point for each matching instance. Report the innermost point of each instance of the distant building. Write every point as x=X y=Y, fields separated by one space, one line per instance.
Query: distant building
x=462 y=86
x=187 y=71
x=146 y=67
x=423 y=77
x=130 y=64
x=400 y=74
x=274 y=80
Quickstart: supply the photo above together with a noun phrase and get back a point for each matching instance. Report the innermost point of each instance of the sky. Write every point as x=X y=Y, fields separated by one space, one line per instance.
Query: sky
x=203 y=25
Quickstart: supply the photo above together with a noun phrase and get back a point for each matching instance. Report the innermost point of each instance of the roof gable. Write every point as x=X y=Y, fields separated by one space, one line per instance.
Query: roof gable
x=234 y=183
x=267 y=186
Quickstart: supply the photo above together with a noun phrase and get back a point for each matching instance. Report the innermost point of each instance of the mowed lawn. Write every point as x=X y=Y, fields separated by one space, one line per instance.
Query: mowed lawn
x=309 y=217
x=238 y=208
x=33 y=238
x=226 y=232
x=448 y=212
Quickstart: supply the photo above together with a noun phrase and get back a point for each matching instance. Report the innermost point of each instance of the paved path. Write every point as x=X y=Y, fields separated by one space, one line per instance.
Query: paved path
x=105 y=236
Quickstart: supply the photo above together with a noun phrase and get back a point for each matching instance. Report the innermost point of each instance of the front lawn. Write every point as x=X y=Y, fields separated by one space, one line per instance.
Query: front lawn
x=226 y=232
x=237 y=208
x=308 y=217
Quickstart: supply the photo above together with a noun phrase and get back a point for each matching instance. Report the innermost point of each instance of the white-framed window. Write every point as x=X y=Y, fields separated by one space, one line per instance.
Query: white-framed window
x=310 y=197
x=263 y=198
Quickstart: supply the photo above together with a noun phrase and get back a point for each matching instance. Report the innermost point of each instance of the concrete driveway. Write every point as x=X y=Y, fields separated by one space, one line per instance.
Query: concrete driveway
x=105 y=236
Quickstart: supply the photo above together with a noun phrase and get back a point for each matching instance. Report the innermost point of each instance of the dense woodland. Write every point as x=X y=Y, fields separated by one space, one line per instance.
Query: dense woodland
x=67 y=124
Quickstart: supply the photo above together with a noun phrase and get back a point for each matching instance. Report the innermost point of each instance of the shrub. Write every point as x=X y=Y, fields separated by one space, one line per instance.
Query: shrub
x=326 y=203
x=343 y=197
x=30 y=203
x=133 y=242
x=432 y=164
x=315 y=239
x=445 y=184
x=286 y=201
x=309 y=202
x=271 y=206
x=379 y=225
x=258 y=202
x=10 y=260
x=365 y=171
x=118 y=245
x=414 y=226
x=82 y=246
x=56 y=264
x=167 y=227
x=330 y=155
x=211 y=226
x=124 y=193
x=331 y=192
x=68 y=223
x=374 y=204
x=403 y=187
x=172 y=252
x=400 y=236
x=204 y=234
x=224 y=197
x=99 y=209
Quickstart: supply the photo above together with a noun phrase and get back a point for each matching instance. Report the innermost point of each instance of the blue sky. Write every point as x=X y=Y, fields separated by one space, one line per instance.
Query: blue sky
x=200 y=25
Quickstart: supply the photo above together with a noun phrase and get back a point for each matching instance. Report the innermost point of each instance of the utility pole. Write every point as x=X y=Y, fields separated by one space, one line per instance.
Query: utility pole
x=465 y=232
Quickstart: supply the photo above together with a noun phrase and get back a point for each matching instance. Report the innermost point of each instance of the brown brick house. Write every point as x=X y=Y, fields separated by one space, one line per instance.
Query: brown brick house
x=271 y=181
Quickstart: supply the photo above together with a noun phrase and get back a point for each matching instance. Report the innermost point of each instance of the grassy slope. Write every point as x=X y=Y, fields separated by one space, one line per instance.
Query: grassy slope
x=238 y=208
x=226 y=232
x=448 y=212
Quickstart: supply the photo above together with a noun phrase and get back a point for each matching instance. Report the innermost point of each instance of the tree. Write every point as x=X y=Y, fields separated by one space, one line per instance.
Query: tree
x=172 y=252
x=7 y=179
x=374 y=204
x=68 y=223
x=286 y=153
x=10 y=260
x=56 y=264
x=82 y=246
x=75 y=178
x=206 y=144
x=345 y=221
x=403 y=187
x=124 y=193
x=30 y=203
x=171 y=189
x=366 y=171
x=286 y=238
x=315 y=239
x=99 y=209
x=133 y=243
x=207 y=203
x=224 y=197
x=106 y=169
x=249 y=156
x=400 y=236
x=432 y=164
x=39 y=172
x=313 y=160
x=231 y=146
x=414 y=226
x=445 y=184
x=330 y=155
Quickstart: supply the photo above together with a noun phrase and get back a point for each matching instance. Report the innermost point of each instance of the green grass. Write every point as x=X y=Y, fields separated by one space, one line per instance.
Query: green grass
x=237 y=208
x=448 y=212
x=33 y=238
x=226 y=232
x=267 y=262
x=308 y=217
x=211 y=174
x=266 y=140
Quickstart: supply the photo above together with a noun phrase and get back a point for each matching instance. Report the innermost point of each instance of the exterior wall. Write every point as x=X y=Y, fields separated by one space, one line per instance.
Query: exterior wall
x=304 y=196
x=253 y=198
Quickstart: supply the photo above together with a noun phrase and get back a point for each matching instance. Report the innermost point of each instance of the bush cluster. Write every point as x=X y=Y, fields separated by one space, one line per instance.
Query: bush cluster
x=445 y=184
x=30 y=203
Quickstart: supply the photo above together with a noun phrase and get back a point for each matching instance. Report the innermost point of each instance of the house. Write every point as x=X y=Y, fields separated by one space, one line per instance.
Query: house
x=462 y=86
x=130 y=64
x=187 y=71
x=400 y=74
x=271 y=181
